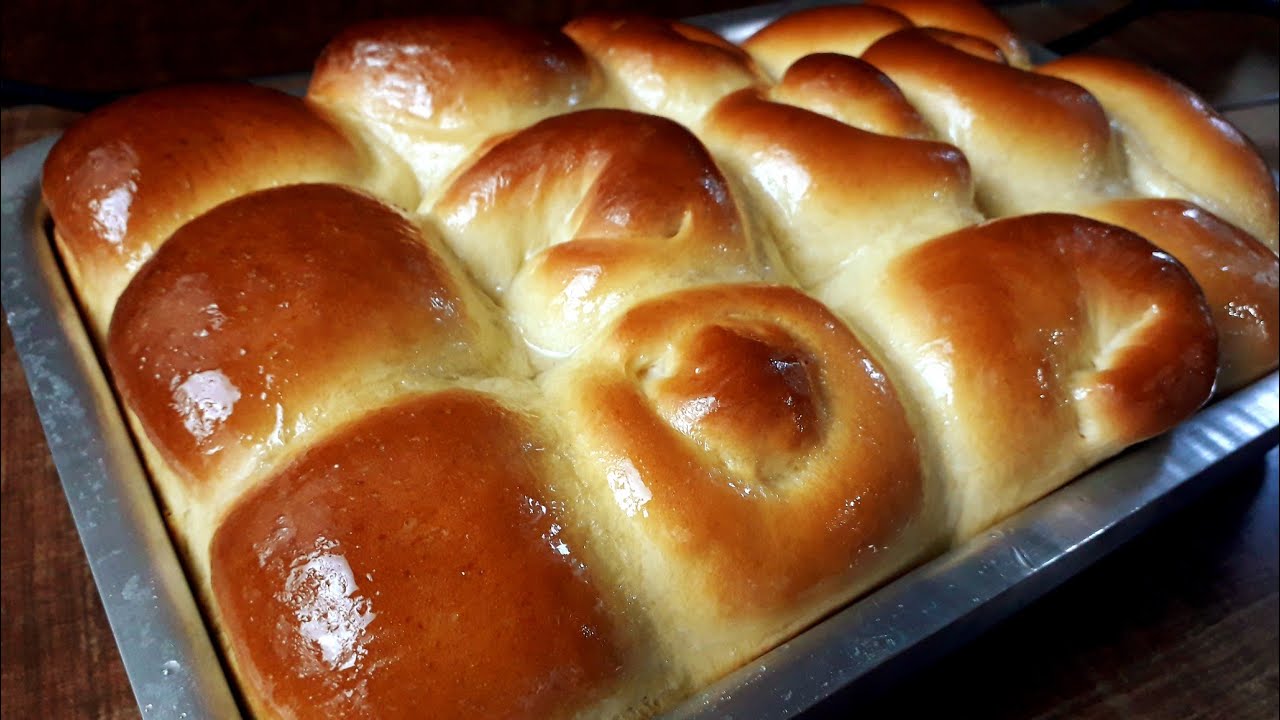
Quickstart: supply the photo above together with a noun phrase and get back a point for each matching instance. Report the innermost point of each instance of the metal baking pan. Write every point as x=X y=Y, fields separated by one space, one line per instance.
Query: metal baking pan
x=168 y=651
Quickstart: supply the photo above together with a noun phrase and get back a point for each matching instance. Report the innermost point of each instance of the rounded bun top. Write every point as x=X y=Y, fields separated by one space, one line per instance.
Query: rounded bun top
x=462 y=76
x=662 y=67
x=284 y=311
x=1177 y=145
x=965 y=16
x=119 y=182
x=414 y=565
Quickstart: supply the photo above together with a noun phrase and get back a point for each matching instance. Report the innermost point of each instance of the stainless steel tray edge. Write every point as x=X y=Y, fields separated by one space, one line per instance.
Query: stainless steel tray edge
x=166 y=649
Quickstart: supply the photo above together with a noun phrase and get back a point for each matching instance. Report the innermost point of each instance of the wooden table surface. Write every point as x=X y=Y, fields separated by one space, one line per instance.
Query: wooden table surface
x=1180 y=623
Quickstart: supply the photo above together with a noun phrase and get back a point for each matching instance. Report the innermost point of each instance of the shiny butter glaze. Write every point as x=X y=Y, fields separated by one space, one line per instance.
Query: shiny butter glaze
x=742 y=375
x=851 y=91
x=809 y=175
x=662 y=67
x=1034 y=142
x=460 y=76
x=842 y=29
x=1177 y=145
x=1084 y=334
x=745 y=435
x=968 y=17
x=267 y=313
x=429 y=91
x=411 y=566
x=613 y=206
x=119 y=182
x=1239 y=275
x=975 y=46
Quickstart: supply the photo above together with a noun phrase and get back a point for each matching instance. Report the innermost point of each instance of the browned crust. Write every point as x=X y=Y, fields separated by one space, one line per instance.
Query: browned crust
x=125 y=177
x=1168 y=127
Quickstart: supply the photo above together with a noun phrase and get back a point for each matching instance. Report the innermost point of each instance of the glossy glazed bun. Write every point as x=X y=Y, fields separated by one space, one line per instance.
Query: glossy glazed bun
x=1081 y=335
x=126 y=177
x=1035 y=142
x=1239 y=275
x=840 y=29
x=409 y=566
x=663 y=68
x=1176 y=144
x=748 y=461
x=434 y=89
x=573 y=219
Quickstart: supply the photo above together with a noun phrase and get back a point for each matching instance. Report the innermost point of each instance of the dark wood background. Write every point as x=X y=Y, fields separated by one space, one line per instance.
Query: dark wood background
x=1181 y=623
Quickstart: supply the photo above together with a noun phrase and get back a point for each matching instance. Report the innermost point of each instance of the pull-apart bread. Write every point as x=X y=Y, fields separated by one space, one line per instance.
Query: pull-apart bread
x=556 y=374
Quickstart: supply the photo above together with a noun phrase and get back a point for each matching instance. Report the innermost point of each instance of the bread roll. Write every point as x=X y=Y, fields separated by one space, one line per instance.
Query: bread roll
x=749 y=463
x=1034 y=347
x=124 y=178
x=1239 y=275
x=409 y=566
x=556 y=374
x=841 y=29
x=846 y=89
x=662 y=67
x=809 y=178
x=966 y=17
x=1034 y=142
x=573 y=219
x=1177 y=146
x=434 y=89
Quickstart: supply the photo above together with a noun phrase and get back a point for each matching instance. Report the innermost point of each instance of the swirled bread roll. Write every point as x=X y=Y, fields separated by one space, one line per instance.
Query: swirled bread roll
x=1239 y=275
x=749 y=461
x=1082 y=336
x=1177 y=146
x=434 y=89
x=123 y=179
x=570 y=221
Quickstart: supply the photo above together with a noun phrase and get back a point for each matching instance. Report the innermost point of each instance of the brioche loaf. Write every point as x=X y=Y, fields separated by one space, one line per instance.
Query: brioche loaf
x=557 y=374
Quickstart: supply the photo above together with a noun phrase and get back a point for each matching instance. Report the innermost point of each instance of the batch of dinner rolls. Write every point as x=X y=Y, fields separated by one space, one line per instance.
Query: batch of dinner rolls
x=520 y=373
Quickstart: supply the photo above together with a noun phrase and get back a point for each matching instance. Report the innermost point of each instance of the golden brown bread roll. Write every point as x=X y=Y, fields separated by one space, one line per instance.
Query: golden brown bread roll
x=1081 y=335
x=967 y=17
x=662 y=67
x=573 y=219
x=1177 y=145
x=409 y=566
x=614 y=411
x=851 y=29
x=1239 y=275
x=124 y=178
x=809 y=177
x=842 y=29
x=1035 y=143
x=276 y=316
x=851 y=91
x=748 y=461
x=433 y=89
